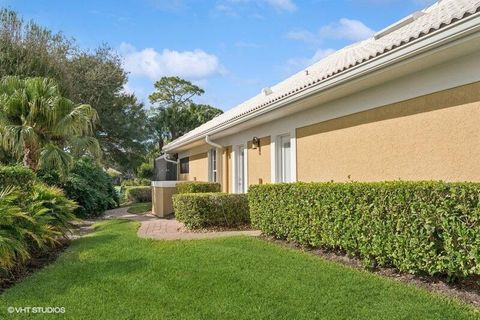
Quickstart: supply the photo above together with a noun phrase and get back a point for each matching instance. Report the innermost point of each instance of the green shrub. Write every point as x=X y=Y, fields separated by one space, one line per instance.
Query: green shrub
x=90 y=186
x=136 y=182
x=198 y=187
x=146 y=170
x=201 y=210
x=138 y=194
x=417 y=227
x=31 y=220
x=16 y=176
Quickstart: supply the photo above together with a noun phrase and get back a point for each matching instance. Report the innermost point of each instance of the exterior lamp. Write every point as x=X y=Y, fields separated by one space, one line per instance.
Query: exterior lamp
x=255 y=143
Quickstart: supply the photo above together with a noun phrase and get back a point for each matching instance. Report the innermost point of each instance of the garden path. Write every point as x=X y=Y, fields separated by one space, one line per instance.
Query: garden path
x=153 y=227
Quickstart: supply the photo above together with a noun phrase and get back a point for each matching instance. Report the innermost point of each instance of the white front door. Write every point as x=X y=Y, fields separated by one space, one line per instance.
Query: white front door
x=240 y=170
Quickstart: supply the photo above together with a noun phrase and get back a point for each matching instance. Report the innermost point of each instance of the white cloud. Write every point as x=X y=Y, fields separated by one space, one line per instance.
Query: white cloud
x=282 y=5
x=343 y=29
x=347 y=29
x=320 y=54
x=303 y=35
x=296 y=64
x=193 y=65
x=235 y=7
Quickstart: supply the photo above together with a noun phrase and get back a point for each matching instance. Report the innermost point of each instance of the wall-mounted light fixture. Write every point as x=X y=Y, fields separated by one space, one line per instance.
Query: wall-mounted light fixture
x=255 y=143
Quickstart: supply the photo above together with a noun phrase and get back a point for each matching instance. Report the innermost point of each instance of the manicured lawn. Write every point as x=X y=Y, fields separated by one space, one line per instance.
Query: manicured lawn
x=112 y=274
x=139 y=208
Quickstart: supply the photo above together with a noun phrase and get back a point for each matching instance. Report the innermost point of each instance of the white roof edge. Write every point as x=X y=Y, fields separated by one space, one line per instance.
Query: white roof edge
x=435 y=19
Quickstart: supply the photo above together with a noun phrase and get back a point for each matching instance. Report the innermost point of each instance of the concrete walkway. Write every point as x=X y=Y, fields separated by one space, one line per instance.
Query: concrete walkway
x=153 y=227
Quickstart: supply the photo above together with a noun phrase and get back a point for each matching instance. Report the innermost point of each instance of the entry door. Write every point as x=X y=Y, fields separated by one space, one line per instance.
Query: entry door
x=240 y=163
x=284 y=159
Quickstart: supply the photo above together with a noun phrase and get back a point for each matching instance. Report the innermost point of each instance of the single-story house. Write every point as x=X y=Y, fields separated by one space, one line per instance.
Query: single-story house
x=404 y=104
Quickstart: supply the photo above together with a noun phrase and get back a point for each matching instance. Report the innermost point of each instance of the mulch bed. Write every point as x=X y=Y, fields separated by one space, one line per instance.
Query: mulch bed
x=467 y=290
x=43 y=258
x=38 y=261
x=221 y=229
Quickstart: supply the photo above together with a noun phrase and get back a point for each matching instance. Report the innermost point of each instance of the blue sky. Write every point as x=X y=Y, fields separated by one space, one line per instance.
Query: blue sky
x=231 y=48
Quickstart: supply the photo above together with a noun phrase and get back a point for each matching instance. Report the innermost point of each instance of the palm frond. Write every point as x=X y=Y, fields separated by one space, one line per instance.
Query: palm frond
x=80 y=146
x=52 y=157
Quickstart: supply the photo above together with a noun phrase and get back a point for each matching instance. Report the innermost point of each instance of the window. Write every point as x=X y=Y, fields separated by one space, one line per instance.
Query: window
x=213 y=165
x=284 y=167
x=184 y=165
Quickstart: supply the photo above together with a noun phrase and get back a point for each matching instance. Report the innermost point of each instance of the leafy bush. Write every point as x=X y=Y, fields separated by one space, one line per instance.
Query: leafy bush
x=146 y=170
x=31 y=220
x=138 y=194
x=136 y=182
x=91 y=187
x=201 y=210
x=417 y=227
x=16 y=176
x=198 y=187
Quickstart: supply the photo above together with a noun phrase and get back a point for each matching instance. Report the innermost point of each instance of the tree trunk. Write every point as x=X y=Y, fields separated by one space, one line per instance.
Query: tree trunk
x=30 y=158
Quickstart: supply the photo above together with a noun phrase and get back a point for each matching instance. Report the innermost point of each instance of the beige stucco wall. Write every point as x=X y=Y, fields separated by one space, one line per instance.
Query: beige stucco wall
x=162 y=204
x=258 y=162
x=436 y=136
x=198 y=165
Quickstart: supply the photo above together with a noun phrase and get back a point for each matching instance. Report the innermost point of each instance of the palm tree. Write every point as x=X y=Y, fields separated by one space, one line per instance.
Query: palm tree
x=43 y=128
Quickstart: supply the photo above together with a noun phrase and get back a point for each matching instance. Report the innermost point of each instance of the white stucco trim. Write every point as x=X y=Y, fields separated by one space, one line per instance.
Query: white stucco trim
x=245 y=173
x=234 y=169
x=273 y=158
x=164 y=184
x=293 y=154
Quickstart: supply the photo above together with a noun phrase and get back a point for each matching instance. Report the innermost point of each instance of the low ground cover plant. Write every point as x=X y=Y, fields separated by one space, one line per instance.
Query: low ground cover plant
x=416 y=227
x=33 y=218
x=198 y=187
x=203 y=210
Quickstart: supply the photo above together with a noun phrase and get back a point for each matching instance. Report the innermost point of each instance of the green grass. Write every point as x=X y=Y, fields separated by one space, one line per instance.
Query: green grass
x=112 y=274
x=139 y=208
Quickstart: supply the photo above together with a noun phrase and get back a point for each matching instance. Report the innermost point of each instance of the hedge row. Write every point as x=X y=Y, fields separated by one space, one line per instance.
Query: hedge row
x=202 y=210
x=417 y=227
x=138 y=194
x=198 y=187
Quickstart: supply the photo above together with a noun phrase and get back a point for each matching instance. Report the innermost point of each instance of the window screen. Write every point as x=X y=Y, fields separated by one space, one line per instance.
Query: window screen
x=184 y=165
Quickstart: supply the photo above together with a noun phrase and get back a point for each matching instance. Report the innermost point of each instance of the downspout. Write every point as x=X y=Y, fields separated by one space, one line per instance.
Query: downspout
x=171 y=161
x=213 y=144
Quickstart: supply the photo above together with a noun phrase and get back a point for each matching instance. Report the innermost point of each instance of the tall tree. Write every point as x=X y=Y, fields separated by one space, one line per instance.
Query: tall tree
x=96 y=78
x=174 y=113
x=43 y=128
x=29 y=50
x=123 y=126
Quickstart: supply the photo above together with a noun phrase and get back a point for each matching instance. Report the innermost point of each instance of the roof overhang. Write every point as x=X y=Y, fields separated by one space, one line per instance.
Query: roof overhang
x=455 y=40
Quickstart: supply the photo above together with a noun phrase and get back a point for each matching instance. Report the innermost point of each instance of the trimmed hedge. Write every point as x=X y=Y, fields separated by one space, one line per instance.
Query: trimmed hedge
x=198 y=187
x=201 y=210
x=417 y=227
x=138 y=194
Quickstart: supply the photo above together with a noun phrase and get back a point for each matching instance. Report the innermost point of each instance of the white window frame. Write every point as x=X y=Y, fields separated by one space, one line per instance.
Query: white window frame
x=213 y=165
